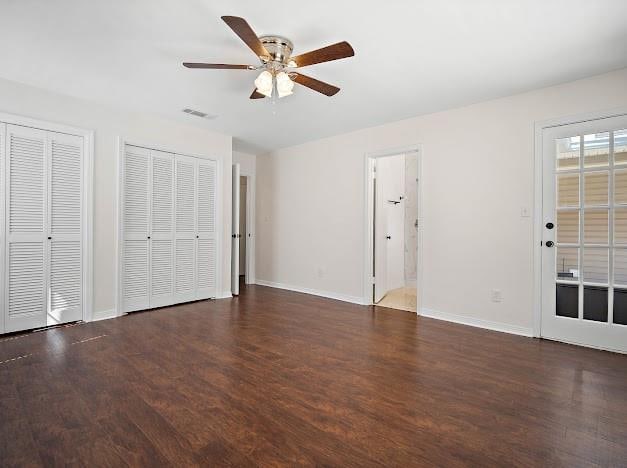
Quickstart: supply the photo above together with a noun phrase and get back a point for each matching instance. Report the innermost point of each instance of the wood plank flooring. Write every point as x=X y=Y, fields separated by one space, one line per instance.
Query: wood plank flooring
x=275 y=378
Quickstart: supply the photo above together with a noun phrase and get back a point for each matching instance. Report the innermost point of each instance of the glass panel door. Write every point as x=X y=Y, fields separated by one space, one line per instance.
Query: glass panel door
x=584 y=246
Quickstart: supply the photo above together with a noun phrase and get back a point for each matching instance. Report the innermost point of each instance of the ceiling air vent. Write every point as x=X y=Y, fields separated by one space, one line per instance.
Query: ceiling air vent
x=202 y=115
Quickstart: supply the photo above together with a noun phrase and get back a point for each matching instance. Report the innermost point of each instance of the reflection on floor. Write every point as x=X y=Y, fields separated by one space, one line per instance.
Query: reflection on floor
x=401 y=298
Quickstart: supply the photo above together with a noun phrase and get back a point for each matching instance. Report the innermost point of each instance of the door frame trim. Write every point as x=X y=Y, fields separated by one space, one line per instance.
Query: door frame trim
x=539 y=128
x=122 y=142
x=369 y=219
x=87 y=199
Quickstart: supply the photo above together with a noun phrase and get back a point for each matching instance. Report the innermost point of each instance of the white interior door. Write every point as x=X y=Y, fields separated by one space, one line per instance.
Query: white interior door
x=185 y=225
x=65 y=188
x=26 y=237
x=394 y=187
x=161 y=229
x=136 y=230
x=235 y=237
x=206 y=261
x=380 y=233
x=584 y=252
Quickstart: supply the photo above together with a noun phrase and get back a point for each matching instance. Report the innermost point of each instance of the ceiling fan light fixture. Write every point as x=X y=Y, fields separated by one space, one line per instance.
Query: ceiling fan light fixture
x=264 y=83
x=284 y=85
x=276 y=62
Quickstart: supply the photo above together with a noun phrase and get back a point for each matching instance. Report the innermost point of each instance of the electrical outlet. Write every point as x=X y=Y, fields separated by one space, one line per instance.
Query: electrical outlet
x=497 y=295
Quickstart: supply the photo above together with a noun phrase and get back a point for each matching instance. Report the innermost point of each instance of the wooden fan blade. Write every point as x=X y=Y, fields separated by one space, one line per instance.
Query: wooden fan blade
x=316 y=85
x=219 y=66
x=257 y=95
x=246 y=34
x=326 y=54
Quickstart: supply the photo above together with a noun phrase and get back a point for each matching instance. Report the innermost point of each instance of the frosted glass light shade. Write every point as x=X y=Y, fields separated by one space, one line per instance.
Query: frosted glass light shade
x=284 y=84
x=264 y=83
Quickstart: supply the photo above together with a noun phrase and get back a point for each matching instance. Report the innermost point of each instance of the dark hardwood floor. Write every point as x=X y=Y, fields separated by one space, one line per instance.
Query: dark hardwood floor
x=276 y=378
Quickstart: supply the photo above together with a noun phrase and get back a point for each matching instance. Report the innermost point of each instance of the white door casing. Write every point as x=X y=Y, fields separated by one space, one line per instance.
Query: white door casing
x=584 y=255
x=235 y=237
x=380 y=232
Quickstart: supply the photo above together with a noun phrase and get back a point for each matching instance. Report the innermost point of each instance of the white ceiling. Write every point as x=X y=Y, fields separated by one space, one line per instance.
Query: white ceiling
x=412 y=57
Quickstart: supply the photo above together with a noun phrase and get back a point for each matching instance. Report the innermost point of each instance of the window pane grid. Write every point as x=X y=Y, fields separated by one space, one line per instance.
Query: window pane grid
x=591 y=219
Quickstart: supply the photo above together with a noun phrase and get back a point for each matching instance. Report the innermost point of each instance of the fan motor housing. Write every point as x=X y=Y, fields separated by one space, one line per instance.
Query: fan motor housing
x=279 y=47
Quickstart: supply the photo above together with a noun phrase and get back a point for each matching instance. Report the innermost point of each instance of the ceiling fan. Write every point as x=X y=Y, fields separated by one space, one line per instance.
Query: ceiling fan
x=277 y=64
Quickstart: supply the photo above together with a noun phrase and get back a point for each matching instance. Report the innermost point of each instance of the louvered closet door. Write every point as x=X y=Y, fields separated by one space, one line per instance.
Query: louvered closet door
x=25 y=265
x=185 y=225
x=3 y=129
x=64 y=234
x=206 y=230
x=136 y=229
x=162 y=230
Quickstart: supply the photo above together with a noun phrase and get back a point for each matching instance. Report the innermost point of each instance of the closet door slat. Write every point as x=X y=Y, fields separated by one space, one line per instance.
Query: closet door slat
x=136 y=229
x=162 y=230
x=65 y=221
x=206 y=243
x=25 y=262
x=185 y=236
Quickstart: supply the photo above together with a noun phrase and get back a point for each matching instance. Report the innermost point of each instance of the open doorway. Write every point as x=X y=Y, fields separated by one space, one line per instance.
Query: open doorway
x=243 y=222
x=243 y=206
x=393 y=229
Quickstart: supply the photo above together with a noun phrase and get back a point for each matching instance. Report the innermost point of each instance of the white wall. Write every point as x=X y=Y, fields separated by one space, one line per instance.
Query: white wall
x=108 y=124
x=477 y=170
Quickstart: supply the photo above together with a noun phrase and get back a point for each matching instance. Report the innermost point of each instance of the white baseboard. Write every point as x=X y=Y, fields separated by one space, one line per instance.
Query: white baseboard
x=224 y=295
x=314 y=292
x=104 y=315
x=475 y=322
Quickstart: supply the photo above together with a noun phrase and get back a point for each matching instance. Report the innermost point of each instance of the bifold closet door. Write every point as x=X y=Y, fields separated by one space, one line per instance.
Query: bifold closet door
x=25 y=262
x=206 y=261
x=136 y=229
x=65 y=182
x=162 y=229
x=185 y=229
x=43 y=256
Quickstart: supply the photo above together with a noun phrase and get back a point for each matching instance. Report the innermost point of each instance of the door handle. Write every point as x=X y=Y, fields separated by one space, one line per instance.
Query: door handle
x=550 y=225
x=549 y=243
x=388 y=237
